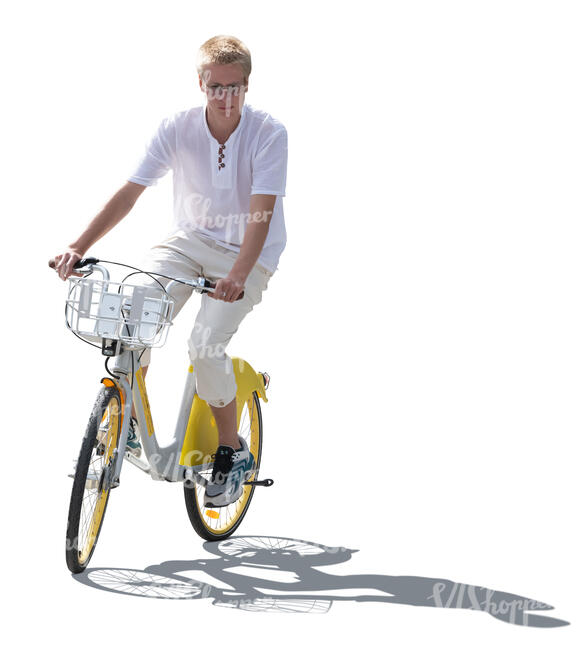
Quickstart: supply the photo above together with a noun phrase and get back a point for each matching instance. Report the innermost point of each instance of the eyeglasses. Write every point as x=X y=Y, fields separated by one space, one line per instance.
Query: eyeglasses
x=219 y=90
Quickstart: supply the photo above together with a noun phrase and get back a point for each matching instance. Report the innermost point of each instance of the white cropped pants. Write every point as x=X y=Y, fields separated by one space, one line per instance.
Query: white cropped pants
x=185 y=256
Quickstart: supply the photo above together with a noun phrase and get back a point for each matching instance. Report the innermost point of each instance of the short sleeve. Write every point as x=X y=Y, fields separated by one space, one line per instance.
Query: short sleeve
x=269 y=166
x=159 y=155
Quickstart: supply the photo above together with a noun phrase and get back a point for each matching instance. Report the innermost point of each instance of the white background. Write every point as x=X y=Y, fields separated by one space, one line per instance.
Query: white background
x=424 y=331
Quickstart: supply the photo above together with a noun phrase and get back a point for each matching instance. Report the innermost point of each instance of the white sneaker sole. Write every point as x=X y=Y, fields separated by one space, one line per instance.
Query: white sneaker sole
x=222 y=500
x=135 y=452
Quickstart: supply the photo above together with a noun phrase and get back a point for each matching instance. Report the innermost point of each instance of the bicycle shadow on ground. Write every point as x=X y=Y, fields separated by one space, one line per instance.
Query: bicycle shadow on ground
x=292 y=578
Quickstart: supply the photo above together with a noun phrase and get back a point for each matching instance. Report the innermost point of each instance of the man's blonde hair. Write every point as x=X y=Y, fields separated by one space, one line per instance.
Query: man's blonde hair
x=222 y=50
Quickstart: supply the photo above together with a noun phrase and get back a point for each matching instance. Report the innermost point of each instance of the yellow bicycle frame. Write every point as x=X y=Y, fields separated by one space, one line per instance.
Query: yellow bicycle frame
x=201 y=434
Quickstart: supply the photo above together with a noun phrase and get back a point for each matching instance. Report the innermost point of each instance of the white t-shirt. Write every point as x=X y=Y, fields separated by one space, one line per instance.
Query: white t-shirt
x=214 y=199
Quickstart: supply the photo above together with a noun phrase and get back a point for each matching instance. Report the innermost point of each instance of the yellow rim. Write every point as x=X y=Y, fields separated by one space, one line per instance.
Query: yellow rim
x=220 y=520
x=95 y=499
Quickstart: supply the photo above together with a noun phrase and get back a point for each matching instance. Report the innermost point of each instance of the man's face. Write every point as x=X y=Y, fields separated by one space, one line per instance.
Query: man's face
x=225 y=88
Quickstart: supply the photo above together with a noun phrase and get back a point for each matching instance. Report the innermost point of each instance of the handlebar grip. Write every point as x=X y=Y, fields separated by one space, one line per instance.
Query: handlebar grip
x=84 y=261
x=211 y=285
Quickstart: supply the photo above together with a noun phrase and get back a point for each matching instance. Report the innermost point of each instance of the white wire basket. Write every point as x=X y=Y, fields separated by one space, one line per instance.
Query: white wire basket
x=136 y=315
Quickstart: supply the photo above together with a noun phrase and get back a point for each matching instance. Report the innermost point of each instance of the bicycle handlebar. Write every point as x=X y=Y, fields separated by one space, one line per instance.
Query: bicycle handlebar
x=200 y=284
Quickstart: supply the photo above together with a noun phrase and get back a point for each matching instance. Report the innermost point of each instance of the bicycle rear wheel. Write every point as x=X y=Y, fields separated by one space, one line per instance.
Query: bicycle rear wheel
x=219 y=523
x=91 y=491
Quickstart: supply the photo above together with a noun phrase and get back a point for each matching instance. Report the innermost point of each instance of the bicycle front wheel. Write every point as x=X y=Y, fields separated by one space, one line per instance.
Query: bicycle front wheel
x=219 y=523
x=91 y=491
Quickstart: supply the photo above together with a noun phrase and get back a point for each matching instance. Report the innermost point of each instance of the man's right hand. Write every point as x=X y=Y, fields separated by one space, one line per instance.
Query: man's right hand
x=63 y=263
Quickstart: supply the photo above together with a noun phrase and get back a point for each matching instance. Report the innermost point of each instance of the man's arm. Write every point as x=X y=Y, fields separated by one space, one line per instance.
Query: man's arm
x=111 y=214
x=257 y=228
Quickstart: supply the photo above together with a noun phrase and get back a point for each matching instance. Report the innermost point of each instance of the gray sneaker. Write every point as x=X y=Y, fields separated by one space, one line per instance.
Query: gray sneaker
x=133 y=443
x=231 y=468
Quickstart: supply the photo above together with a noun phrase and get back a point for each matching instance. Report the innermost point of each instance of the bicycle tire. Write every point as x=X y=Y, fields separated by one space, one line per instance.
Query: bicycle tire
x=108 y=402
x=202 y=523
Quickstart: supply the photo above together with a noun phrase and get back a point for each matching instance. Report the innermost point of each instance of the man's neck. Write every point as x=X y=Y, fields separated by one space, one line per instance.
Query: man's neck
x=222 y=128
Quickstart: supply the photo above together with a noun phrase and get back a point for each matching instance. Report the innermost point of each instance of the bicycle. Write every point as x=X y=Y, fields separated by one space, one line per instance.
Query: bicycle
x=123 y=320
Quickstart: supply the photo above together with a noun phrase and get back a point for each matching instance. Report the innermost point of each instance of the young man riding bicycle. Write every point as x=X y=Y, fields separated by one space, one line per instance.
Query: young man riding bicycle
x=229 y=163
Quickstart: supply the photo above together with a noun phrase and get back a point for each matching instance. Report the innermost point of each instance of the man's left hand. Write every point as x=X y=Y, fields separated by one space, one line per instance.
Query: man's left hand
x=227 y=289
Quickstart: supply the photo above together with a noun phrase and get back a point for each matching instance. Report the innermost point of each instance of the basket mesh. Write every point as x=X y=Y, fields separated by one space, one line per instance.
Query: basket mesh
x=137 y=315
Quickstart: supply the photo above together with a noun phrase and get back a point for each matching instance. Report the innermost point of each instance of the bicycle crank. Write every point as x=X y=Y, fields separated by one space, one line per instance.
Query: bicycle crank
x=190 y=477
x=267 y=482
